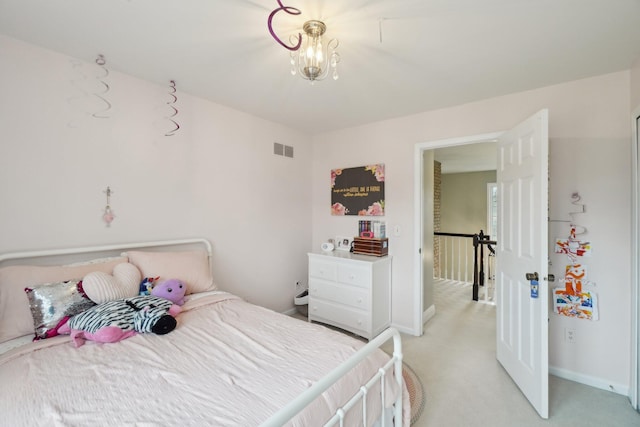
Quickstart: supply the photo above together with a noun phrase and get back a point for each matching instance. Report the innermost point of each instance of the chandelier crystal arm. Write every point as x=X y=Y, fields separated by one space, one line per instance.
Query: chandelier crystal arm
x=291 y=11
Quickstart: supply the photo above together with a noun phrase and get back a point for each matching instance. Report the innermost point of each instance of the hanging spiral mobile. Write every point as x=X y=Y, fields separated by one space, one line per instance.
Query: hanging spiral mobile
x=313 y=60
x=102 y=64
x=174 y=110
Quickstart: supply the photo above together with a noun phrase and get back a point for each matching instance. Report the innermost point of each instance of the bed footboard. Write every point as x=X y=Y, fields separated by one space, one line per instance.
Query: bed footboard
x=285 y=414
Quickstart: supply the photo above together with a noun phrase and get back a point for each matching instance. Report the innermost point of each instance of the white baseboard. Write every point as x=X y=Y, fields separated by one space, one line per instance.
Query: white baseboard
x=403 y=329
x=589 y=380
x=291 y=311
x=428 y=314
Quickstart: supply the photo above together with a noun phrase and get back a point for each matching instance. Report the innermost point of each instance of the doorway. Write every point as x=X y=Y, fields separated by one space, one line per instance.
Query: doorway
x=634 y=395
x=521 y=317
x=464 y=180
x=424 y=156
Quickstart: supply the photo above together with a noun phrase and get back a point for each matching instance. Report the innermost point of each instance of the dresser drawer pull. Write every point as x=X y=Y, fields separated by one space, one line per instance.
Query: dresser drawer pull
x=359 y=300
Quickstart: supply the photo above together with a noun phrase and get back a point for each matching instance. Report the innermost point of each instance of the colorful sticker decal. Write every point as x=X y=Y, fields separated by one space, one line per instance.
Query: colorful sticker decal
x=572 y=300
x=581 y=306
x=573 y=247
x=575 y=276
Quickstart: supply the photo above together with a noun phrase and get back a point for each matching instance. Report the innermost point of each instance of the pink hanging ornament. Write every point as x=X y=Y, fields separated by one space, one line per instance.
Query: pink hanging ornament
x=108 y=215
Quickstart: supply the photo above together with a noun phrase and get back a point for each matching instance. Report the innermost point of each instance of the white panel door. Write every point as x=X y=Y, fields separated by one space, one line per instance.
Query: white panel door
x=522 y=321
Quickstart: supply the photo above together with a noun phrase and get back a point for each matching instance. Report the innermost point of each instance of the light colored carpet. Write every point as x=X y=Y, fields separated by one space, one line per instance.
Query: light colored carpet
x=466 y=386
x=455 y=360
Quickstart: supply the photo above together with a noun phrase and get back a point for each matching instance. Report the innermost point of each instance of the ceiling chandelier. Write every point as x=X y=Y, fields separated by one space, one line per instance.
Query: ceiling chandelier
x=309 y=57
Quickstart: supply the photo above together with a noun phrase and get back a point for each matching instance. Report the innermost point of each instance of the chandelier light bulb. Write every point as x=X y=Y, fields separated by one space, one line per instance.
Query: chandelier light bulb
x=319 y=57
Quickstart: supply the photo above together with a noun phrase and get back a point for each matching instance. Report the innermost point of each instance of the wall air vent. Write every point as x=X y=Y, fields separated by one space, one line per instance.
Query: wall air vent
x=282 y=150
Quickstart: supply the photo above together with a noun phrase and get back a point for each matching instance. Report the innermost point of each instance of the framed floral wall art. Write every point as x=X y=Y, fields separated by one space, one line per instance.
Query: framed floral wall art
x=358 y=191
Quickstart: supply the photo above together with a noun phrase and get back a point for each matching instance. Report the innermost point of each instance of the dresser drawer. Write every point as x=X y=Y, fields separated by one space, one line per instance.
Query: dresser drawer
x=337 y=292
x=323 y=270
x=344 y=317
x=354 y=275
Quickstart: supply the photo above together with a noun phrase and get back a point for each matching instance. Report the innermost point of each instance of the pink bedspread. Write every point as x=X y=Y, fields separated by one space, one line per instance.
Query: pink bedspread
x=228 y=363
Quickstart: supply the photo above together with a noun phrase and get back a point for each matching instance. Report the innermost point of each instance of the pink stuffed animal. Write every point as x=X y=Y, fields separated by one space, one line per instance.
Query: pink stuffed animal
x=172 y=289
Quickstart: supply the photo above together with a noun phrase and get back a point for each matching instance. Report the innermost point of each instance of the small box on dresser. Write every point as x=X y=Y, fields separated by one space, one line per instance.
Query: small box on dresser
x=350 y=291
x=371 y=246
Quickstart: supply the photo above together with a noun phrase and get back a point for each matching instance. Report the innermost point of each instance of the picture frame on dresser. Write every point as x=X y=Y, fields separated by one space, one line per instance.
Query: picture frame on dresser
x=343 y=243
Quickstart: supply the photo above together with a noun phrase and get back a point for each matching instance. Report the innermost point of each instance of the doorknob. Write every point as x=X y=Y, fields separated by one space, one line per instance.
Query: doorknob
x=532 y=276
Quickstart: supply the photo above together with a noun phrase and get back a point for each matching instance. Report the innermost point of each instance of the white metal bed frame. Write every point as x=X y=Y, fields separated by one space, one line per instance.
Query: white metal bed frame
x=298 y=404
x=106 y=248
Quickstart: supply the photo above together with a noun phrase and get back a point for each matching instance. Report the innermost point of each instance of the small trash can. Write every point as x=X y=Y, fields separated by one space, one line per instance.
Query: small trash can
x=302 y=303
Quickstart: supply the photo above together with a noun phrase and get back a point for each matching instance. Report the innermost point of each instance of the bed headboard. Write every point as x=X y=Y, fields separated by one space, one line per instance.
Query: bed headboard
x=79 y=254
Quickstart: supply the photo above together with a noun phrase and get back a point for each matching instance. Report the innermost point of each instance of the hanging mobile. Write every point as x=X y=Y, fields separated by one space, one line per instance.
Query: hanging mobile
x=108 y=215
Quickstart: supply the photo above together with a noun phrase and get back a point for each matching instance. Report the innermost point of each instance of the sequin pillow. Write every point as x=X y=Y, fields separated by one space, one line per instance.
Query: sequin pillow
x=15 y=315
x=53 y=303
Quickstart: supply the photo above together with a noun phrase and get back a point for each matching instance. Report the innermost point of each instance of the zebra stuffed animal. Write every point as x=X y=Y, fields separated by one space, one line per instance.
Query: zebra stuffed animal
x=113 y=321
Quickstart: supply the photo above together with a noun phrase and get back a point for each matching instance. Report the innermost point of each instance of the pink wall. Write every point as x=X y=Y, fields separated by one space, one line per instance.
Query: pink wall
x=635 y=84
x=219 y=179
x=216 y=178
x=589 y=152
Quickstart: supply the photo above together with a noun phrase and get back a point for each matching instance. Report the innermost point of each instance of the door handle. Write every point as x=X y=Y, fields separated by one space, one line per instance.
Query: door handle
x=550 y=278
x=532 y=276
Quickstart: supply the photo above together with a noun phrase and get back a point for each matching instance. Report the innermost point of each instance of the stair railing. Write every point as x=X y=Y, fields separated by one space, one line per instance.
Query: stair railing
x=461 y=257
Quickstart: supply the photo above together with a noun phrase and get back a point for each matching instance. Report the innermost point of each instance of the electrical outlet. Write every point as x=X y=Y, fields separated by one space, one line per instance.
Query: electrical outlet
x=569 y=335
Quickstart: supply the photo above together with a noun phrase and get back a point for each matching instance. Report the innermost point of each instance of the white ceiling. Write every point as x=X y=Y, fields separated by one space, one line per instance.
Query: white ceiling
x=399 y=57
x=477 y=157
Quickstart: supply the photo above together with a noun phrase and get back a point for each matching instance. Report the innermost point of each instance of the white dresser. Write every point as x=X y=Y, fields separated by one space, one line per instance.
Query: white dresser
x=352 y=292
